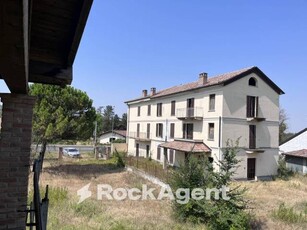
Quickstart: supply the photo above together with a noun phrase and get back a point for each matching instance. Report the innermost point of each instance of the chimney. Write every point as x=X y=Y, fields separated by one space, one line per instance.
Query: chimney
x=203 y=78
x=152 y=91
x=144 y=93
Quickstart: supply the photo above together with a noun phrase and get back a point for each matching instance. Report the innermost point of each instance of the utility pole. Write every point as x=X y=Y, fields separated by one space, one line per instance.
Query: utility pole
x=95 y=140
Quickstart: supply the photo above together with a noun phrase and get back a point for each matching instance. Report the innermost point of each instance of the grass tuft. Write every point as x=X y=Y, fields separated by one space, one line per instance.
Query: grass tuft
x=289 y=215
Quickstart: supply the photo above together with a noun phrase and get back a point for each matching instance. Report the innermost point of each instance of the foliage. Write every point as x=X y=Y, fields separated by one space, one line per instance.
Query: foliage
x=61 y=114
x=56 y=195
x=216 y=213
x=289 y=215
x=108 y=120
x=119 y=141
x=119 y=159
x=283 y=172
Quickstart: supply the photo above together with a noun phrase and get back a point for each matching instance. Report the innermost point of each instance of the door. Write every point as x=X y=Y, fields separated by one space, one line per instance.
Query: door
x=137 y=150
x=147 y=151
x=251 y=168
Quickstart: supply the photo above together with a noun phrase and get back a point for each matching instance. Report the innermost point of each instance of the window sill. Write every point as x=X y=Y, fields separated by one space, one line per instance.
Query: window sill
x=211 y=111
x=210 y=139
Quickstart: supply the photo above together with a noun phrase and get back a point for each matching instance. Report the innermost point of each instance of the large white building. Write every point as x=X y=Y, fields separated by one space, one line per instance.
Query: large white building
x=199 y=117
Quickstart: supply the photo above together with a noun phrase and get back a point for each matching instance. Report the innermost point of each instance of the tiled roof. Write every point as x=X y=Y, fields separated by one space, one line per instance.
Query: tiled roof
x=187 y=146
x=119 y=132
x=217 y=80
x=299 y=153
x=194 y=85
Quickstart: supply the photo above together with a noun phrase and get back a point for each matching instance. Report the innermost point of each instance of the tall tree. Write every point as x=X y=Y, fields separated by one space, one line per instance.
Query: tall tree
x=283 y=126
x=107 y=118
x=61 y=114
x=123 y=122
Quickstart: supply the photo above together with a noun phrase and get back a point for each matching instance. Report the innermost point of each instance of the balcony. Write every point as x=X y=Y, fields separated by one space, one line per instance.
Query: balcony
x=140 y=136
x=190 y=113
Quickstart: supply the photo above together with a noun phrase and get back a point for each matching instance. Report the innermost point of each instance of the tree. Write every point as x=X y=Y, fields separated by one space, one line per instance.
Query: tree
x=107 y=118
x=216 y=213
x=61 y=114
x=123 y=122
x=283 y=126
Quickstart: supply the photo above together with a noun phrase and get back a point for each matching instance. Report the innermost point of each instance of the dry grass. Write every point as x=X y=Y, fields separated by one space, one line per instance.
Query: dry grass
x=266 y=197
x=73 y=174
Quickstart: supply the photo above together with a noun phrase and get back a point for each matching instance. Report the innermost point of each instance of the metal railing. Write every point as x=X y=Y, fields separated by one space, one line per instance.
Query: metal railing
x=196 y=112
x=38 y=210
x=140 y=135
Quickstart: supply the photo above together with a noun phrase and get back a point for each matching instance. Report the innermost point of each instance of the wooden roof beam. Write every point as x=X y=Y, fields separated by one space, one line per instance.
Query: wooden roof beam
x=14 y=44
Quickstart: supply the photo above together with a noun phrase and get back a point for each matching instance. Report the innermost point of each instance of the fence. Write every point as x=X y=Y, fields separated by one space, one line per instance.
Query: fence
x=150 y=167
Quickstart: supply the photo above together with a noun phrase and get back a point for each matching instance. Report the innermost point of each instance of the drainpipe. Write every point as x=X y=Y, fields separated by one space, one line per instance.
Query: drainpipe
x=165 y=149
x=220 y=139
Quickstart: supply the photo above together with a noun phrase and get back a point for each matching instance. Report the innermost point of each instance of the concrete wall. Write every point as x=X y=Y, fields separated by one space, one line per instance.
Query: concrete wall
x=229 y=116
x=119 y=147
x=266 y=163
x=235 y=123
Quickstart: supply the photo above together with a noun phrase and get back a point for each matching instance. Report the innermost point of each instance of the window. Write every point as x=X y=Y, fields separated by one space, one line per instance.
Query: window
x=252 y=81
x=252 y=106
x=148 y=110
x=211 y=131
x=210 y=159
x=252 y=136
x=173 y=108
x=171 y=156
x=139 y=111
x=159 y=110
x=212 y=102
x=111 y=139
x=158 y=153
x=148 y=131
x=147 y=151
x=159 y=130
x=188 y=131
x=138 y=130
x=190 y=107
x=172 y=131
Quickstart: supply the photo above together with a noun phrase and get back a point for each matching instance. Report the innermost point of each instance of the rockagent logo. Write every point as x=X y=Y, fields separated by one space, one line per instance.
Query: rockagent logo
x=181 y=196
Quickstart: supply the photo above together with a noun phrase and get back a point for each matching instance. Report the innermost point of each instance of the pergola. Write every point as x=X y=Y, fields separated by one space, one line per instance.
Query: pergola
x=39 y=40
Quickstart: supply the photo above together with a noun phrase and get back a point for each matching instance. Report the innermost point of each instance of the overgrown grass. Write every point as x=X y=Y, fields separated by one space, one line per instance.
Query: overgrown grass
x=290 y=215
x=56 y=195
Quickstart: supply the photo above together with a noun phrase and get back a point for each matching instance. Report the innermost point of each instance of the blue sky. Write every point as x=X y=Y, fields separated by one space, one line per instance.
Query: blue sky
x=130 y=45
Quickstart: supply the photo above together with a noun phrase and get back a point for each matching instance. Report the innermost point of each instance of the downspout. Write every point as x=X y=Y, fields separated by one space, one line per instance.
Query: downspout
x=127 y=132
x=220 y=138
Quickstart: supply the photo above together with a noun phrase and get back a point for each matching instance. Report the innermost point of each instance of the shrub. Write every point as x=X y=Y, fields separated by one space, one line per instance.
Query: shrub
x=119 y=157
x=216 y=213
x=283 y=172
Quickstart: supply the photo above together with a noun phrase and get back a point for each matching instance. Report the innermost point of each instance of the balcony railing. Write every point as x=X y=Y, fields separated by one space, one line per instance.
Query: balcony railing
x=141 y=136
x=196 y=113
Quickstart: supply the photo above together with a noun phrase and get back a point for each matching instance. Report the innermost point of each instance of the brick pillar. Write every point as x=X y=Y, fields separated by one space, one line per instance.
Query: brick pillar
x=15 y=148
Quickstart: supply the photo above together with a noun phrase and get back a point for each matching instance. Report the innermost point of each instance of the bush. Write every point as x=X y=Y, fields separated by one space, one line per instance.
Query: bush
x=216 y=213
x=119 y=158
x=283 y=172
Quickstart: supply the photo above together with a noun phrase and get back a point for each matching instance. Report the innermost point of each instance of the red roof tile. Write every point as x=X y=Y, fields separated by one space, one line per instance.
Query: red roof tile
x=219 y=79
x=187 y=146
x=299 y=153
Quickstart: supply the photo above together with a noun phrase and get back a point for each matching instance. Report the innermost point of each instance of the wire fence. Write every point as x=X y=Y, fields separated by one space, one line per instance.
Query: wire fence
x=150 y=167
